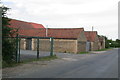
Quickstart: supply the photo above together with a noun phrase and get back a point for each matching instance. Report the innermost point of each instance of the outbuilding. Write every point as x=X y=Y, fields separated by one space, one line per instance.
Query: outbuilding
x=71 y=40
x=93 y=40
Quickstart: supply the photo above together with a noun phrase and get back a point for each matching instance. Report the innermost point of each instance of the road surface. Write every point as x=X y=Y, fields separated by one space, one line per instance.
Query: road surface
x=103 y=64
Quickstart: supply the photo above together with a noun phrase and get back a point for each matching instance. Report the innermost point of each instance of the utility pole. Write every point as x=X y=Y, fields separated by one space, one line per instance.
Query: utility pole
x=46 y=30
x=92 y=28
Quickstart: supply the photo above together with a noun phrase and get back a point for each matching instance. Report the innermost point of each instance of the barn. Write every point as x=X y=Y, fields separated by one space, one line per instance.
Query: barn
x=71 y=40
x=102 y=42
x=93 y=39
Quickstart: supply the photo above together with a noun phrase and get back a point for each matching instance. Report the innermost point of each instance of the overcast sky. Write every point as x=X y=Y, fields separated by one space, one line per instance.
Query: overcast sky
x=102 y=14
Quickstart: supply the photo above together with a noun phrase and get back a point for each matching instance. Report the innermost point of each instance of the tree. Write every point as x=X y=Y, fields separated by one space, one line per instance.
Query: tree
x=107 y=42
x=8 y=43
x=118 y=42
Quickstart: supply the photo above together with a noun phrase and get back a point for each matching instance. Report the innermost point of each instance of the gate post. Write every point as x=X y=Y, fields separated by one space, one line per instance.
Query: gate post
x=51 y=51
x=37 y=48
x=17 y=48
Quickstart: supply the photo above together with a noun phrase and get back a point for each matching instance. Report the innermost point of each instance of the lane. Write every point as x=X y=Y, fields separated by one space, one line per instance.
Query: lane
x=103 y=65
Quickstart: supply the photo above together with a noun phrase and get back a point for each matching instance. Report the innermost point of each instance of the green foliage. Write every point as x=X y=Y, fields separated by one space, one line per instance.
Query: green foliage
x=106 y=42
x=110 y=43
x=104 y=49
x=46 y=58
x=83 y=52
x=117 y=43
x=8 y=44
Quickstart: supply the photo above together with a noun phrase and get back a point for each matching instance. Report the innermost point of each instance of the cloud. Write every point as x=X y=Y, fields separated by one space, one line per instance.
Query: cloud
x=68 y=13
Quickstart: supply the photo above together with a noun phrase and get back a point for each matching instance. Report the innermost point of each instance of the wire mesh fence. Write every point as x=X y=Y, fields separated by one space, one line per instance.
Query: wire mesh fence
x=35 y=47
x=32 y=47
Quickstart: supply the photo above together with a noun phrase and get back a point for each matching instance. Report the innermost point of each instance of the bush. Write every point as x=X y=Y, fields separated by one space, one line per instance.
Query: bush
x=8 y=43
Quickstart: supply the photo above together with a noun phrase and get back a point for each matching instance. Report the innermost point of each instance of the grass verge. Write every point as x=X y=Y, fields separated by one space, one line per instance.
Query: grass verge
x=47 y=58
x=104 y=49
x=83 y=53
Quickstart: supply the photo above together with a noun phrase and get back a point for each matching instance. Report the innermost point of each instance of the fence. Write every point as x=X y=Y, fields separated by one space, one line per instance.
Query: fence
x=33 y=47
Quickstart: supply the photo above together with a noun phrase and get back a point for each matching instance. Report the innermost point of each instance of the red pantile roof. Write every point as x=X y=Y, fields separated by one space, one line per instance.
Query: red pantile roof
x=35 y=25
x=38 y=30
x=32 y=32
x=91 y=35
x=65 y=33
x=56 y=33
x=24 y=25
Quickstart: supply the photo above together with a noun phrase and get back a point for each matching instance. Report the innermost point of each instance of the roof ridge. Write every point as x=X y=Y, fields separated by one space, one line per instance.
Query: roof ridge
x=90 y=31
x=65 y=28
x=25 y=21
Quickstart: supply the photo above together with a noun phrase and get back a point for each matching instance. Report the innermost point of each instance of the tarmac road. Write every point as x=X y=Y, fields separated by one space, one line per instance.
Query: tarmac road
x=102 y=64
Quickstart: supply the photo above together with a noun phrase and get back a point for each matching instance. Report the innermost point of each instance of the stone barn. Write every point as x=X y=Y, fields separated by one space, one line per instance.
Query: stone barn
x=26 y=29
x=71 y=40
x=93 y=39
x=102 y=42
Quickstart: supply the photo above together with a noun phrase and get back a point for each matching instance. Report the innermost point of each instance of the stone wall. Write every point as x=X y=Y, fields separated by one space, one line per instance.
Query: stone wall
x=64 y=45
x=44 y=44
x=94 y=46
x=23 y=44
x=81 y=46
x=60 y=45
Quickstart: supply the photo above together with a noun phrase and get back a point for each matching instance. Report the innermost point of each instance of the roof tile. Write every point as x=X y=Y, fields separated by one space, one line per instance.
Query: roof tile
x=38 y=30
x=91 y=35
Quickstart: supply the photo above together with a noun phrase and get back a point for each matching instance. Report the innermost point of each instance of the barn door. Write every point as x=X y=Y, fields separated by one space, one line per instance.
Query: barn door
x=28 y=44
x=87 y=46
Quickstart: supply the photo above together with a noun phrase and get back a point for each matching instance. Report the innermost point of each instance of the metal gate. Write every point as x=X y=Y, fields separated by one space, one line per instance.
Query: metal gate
x=31 y=52
x=88 y=46
x=28 y=43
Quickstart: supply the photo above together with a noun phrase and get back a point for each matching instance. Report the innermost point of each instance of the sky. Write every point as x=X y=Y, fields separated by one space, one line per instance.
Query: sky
x=101 y=14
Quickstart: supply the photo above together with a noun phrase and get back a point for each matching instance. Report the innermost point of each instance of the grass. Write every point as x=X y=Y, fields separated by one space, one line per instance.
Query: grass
x=13 y=64
x=47 y=58
x=104 y=49
x=83 y=53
